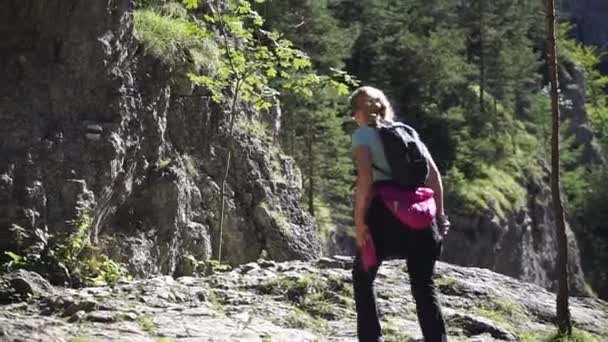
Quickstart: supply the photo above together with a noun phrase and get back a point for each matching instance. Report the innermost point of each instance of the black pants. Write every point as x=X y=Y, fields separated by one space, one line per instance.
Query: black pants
x=421 y=248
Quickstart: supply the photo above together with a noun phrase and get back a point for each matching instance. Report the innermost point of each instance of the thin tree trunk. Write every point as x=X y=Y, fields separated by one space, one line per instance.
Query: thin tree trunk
x=235 y=96
x=482 y=65
x=311 y=182
x=563 y=312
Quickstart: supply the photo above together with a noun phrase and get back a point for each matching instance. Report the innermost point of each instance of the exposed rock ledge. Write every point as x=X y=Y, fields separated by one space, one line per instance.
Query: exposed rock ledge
x=291 y=301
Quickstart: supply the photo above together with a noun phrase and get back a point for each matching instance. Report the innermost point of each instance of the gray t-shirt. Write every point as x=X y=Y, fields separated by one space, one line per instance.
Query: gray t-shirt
x=369 y=137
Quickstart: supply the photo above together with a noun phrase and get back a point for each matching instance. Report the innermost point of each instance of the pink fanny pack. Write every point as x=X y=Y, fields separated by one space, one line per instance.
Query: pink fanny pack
x=414 y=208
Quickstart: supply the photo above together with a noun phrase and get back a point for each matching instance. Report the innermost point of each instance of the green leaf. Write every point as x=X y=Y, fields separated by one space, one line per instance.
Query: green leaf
x=271 y=72
x=190 y=4
x=341 y=88
x=15 y=258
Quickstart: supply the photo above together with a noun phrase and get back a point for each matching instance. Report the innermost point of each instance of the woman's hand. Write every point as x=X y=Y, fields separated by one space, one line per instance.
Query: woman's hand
x=443 y=225
x=362 y=235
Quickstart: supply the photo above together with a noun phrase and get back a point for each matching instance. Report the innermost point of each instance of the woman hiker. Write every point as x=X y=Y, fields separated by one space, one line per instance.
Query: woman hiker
x=381 y=233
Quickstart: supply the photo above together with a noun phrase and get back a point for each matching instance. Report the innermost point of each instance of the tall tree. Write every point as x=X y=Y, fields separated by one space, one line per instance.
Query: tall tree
x=311 y=128
x=563 y=312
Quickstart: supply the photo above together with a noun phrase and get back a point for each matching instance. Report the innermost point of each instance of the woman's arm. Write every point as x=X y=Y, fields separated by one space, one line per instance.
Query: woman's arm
x=364 y=185
x=435 y=183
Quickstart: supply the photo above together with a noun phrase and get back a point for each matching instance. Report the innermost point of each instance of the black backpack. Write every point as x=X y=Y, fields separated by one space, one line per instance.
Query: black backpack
x=405 y=153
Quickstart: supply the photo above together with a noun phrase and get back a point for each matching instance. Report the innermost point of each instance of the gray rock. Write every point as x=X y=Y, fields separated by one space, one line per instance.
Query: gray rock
x=236 y=306
x=94 y=126
x=23 y=285
x=572 y=82
x=523 y=245
x=588 y=17
x=101 y=317
x=475 y=325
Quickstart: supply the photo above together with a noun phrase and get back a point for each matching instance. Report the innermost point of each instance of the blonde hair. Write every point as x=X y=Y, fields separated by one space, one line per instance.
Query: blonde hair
x=373 y=103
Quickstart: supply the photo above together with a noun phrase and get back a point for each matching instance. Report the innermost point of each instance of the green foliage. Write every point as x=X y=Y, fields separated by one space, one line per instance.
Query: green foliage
x=586 y=192
x=324 y=218
x=576 y=336
x=146 y=323
x=83 y=339
x=17 y=261
x=492 y=189
x=191 y=165
x=260 y=58
x=167 y=34
x=255 y=127
x=310 y=25
x=70 y=259
x=501 y=311
x=206 y=267
x=164 y=163
x=298 y=319
x=449 y=285
x=507 y=314
x=215 y=266
x=309 y=293
x=584 y=185
x=311 y=127
x=216 y=304
x=392 y=333
x=596 y=84
x=166 y=339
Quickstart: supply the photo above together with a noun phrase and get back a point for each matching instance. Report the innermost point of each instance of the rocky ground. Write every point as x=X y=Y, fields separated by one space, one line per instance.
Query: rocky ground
x=290 y=301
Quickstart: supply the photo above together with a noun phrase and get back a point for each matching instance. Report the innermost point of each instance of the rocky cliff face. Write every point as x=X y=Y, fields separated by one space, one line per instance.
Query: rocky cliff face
x=589 y=20
x=523 y=245
x=291 y=301
x=92 y=126
x=589 y=16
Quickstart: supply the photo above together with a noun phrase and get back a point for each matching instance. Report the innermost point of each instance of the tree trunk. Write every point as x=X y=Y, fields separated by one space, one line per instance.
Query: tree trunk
x=311 y=174
x=482 y=65
x=233 y=114
x=563 y=312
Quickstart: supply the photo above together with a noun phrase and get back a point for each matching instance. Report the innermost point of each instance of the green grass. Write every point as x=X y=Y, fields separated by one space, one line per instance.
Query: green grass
x=216 y=304
x=83 y=339
x=164 y=163
x=577 y=336
x=299 y=319
x=146 y=323
x=255 y=127
x=279 y=219
x=500 y=311
x=171 y=37
x=323 y=216
x=529 y=336
x=166 y=339
x=449 y=285
x=318 y=297
x=391 y=333
x=494 y=188
x=191 y=165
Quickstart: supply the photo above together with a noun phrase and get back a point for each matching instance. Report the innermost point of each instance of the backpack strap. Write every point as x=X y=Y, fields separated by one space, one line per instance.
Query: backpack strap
x=386 y=173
